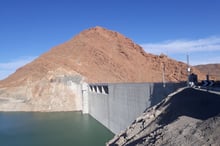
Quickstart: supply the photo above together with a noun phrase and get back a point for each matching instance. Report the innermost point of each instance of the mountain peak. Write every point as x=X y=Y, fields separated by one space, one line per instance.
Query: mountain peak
x=102 y=32
x=101 y=55
x=97 y=28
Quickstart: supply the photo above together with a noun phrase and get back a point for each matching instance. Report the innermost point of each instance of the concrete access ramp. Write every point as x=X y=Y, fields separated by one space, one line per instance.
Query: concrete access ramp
x=117 y=105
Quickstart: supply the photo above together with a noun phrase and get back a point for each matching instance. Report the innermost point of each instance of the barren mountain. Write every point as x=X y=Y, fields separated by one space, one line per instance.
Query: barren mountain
x=101 y=55
x=212 y=69
x=94 y=55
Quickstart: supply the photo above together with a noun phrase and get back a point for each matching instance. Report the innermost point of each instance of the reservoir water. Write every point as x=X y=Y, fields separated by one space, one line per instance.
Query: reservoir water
x=51 y=129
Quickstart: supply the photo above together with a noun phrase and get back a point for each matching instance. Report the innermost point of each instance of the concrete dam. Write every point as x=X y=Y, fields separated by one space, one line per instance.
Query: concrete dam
x=117 y=105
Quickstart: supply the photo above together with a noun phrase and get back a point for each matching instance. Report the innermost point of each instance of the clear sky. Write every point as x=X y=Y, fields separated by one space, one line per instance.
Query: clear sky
x=29 y=28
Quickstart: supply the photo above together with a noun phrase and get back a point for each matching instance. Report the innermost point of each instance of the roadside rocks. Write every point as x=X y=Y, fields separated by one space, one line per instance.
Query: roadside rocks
x=186 y=117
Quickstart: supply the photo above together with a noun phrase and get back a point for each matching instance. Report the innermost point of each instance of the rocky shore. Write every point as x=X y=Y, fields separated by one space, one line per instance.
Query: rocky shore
x=59 y=90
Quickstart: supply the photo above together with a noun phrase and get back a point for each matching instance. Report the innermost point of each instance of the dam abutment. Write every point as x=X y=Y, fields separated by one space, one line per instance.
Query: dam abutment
x=117 y=105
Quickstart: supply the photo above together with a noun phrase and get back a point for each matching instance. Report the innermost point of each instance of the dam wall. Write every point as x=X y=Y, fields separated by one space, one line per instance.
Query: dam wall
x=117 y=105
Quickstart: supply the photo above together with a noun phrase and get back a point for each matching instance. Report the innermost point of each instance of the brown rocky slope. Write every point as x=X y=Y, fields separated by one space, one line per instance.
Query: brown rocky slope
x=52 y=81
x=212 y=69
x=187 y=117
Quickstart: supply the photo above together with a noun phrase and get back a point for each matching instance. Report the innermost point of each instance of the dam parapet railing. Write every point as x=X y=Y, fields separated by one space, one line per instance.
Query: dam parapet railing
x=117 y=105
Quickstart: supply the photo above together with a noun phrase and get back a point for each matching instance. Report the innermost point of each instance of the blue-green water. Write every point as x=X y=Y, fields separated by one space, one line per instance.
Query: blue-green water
x=51 y=129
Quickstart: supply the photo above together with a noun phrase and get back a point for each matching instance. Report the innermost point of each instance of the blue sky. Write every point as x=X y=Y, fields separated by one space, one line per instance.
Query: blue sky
x=29 y=28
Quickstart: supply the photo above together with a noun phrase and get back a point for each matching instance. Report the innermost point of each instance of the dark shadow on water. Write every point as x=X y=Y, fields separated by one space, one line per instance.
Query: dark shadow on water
x=192 y=103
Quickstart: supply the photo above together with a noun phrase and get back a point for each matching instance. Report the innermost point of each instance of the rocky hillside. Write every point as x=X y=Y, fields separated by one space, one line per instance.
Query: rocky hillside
x=212 y=69
x=101 y=55
x=188 y=117
x=94 y=55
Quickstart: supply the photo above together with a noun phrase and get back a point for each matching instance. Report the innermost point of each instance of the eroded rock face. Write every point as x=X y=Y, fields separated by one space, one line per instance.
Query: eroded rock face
x=57 y=91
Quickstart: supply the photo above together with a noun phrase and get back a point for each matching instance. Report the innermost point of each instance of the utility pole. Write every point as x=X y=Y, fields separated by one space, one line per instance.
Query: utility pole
x=163 y=74
x=188 y=69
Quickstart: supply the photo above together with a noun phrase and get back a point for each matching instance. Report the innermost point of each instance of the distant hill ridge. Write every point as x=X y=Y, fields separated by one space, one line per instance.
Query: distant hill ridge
x=212 y=69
